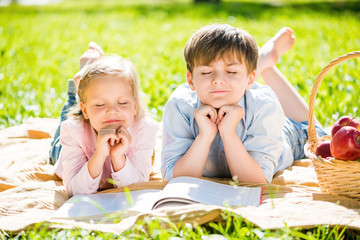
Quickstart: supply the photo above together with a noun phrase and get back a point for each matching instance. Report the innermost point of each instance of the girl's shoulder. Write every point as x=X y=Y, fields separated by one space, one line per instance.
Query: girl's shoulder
x=76 y=128
x=73 y=123
x=146 y=124
x=144 y=132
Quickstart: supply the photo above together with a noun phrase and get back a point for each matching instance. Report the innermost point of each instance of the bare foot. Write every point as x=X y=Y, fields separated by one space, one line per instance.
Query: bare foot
x=89 y=56
x=279 y=44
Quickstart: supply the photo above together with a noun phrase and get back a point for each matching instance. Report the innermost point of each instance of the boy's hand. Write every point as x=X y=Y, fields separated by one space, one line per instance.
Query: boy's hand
x=206 y=117
x=94 y=53
x=229 y=117
x=117 y=151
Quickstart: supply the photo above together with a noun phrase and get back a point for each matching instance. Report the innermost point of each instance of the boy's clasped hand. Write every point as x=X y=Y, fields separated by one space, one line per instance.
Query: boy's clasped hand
x=223 y=120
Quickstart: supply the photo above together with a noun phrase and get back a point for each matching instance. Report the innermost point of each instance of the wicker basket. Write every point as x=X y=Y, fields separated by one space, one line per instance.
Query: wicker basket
x=334 y=176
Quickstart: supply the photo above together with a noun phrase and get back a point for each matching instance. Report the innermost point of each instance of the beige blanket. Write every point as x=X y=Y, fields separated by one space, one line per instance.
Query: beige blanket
x=31 y=193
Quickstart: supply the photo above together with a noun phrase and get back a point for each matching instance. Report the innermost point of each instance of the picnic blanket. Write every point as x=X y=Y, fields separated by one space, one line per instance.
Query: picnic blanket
x=30 y=192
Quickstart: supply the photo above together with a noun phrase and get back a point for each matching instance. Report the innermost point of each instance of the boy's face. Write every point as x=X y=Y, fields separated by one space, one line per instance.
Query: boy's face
x=222 y=82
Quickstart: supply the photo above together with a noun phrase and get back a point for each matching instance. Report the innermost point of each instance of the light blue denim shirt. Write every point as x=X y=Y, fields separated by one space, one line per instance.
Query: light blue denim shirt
x=261 y=131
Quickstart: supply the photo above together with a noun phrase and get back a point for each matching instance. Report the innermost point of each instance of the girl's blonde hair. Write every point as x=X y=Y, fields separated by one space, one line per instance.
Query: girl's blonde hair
x=109 y=65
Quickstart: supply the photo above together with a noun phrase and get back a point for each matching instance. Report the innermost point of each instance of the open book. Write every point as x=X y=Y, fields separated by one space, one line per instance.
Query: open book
x=178 y=191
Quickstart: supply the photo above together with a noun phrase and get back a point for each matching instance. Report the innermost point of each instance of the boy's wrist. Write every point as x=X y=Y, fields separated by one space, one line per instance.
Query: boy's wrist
x=228 y=137
x=206 y=138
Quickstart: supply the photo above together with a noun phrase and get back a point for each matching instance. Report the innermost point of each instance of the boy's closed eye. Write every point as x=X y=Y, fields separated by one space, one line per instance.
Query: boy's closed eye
x=206 y=73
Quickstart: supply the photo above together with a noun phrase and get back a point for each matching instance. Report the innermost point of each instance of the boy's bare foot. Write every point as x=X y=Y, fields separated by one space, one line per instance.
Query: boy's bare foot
x=279 y=44
x=89 y=56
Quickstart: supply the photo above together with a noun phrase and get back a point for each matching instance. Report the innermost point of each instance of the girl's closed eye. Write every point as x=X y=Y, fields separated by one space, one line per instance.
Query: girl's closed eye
x=231 y=72
x=100 y=104
x=123 y=103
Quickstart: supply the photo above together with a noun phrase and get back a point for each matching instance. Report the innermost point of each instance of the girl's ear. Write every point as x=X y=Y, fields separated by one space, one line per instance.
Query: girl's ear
x=84 y=110
x=189 y=79
x=251 y=80
x=135 y=109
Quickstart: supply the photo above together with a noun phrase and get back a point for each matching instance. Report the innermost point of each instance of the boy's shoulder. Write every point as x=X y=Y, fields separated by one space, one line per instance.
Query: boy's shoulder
x=184 y=98
x=183 y=92
x=260 y=93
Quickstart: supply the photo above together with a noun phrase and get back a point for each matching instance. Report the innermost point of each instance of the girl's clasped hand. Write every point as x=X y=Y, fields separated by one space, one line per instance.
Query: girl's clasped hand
x=106 y=134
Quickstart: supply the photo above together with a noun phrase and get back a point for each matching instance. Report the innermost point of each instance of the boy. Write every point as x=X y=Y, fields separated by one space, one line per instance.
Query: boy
x=224 y=124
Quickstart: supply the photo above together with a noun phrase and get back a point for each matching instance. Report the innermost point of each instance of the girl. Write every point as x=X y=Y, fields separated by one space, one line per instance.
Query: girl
x=108 y=135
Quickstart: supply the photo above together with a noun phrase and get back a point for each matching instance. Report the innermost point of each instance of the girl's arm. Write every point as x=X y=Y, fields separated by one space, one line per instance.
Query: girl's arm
x=137 y=166
x=74 y=159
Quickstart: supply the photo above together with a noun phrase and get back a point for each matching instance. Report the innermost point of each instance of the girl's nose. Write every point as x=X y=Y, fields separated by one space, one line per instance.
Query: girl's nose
x=111 y=109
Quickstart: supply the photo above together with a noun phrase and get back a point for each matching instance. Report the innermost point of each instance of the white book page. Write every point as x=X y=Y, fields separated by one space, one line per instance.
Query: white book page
x=208 y=192
x=95 y=204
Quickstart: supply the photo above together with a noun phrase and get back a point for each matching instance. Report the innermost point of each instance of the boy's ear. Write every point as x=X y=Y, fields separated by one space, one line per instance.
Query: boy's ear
x=84 y=110
x=251 y=78
x=189 y=79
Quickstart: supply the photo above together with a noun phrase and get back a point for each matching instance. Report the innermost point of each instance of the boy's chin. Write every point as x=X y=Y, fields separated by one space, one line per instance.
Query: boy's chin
x=219 y=105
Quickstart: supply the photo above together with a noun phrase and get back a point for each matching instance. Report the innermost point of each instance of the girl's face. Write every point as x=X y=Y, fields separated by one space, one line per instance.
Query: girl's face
x=109 y=101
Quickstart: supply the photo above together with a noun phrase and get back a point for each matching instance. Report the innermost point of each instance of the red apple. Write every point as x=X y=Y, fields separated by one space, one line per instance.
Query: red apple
x=345 y=121
x=323 y=149
x=345 y=144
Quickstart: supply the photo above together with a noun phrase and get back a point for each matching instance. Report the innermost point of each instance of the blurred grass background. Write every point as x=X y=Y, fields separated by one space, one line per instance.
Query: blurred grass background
x=40 y=48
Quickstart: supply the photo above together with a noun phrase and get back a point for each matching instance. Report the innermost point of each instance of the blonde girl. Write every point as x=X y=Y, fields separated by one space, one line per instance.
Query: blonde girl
x=107 y=135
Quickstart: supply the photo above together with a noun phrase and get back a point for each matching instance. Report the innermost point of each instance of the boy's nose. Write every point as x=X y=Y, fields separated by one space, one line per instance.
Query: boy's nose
x=218 y=79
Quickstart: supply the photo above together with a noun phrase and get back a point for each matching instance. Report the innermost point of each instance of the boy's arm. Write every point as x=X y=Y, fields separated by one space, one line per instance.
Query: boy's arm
x=180 y=145
x=262 y=147
x=193 y=162
x=240 y=162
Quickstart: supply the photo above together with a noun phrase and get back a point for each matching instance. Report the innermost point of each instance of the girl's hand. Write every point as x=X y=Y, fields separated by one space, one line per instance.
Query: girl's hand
x=206 y=117
x=229 y=117
x=117 y=151
x=106 y=138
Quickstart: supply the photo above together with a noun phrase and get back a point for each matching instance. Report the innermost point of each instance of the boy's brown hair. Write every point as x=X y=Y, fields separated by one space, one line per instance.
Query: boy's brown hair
x=220 y=40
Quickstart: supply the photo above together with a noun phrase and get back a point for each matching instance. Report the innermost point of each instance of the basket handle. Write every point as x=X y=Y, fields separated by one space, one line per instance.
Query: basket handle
x=324 y=71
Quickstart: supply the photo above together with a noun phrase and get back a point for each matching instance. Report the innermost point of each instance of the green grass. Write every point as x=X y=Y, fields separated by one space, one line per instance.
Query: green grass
x=40 y=48
x=231 y=227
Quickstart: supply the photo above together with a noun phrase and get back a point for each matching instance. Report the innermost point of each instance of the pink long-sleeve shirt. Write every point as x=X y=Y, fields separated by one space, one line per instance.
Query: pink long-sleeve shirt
x=78 y=140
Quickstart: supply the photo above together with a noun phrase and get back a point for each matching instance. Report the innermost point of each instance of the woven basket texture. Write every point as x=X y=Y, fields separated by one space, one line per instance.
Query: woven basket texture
x=335 y=176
